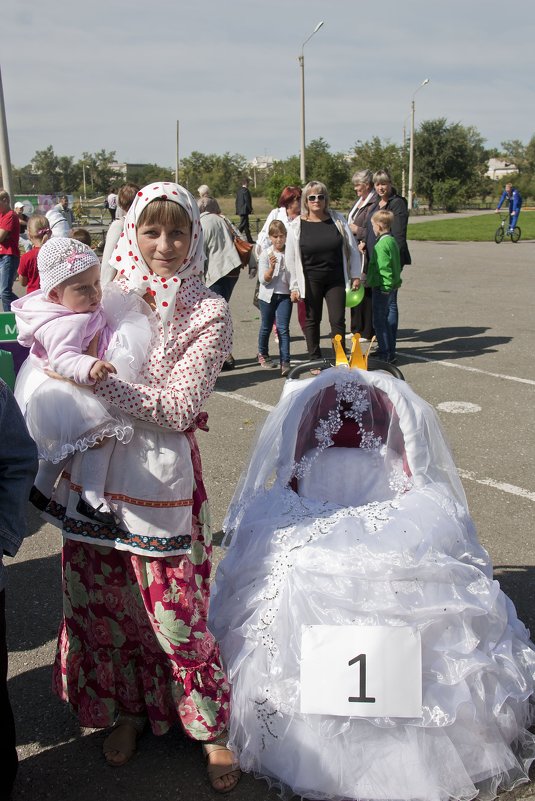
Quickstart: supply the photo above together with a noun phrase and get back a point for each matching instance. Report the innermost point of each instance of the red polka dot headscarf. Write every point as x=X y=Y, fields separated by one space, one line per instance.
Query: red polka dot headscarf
x=129 y=262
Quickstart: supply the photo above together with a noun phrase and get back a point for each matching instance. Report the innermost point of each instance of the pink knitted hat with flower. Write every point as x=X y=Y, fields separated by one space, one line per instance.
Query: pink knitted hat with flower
x=61 y=258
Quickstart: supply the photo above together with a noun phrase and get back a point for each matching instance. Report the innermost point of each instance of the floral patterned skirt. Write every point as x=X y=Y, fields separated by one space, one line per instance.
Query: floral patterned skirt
x=134 y=638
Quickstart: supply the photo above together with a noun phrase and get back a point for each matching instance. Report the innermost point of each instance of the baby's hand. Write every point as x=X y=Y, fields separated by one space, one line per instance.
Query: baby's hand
x=101 y=370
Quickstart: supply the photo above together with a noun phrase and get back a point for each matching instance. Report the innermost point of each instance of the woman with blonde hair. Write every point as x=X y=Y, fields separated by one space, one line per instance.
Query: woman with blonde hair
x=323 y=261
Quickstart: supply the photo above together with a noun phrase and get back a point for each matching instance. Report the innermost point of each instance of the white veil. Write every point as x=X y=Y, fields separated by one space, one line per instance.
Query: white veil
x=351 y=408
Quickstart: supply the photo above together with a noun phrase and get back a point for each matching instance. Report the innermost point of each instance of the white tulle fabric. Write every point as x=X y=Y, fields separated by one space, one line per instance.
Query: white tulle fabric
x=63 y=417
x=394 y=546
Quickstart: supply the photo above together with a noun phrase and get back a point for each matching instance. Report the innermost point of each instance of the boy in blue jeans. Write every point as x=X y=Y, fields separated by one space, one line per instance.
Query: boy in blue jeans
x=384 y=278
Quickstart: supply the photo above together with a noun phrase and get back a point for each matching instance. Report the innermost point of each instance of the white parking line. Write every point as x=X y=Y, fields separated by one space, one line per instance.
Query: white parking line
x=469 y=369
x=499 y=485
x=466 y=474
x=244 y=399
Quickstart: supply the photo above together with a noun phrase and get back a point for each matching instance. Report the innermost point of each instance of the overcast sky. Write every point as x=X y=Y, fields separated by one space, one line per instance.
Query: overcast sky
x=117 y=75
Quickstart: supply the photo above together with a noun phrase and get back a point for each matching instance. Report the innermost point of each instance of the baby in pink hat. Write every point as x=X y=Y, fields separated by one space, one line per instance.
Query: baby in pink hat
x=68 y=332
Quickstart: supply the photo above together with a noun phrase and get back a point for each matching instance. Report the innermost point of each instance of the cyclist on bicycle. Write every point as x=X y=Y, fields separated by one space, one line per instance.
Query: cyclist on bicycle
x=514 y=198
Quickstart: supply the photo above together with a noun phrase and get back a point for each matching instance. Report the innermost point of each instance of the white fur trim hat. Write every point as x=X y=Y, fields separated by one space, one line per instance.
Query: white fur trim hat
x=61 y=258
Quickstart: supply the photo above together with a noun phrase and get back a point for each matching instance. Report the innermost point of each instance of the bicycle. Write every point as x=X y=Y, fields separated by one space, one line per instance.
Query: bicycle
x=501 y=231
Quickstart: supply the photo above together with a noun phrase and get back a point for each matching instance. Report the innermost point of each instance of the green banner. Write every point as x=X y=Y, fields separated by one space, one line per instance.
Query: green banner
x=8 y=327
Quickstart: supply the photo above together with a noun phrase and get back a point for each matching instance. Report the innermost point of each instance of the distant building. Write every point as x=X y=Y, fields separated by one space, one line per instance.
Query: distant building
x=498 y=169
x=260 y=164
x=123 y=169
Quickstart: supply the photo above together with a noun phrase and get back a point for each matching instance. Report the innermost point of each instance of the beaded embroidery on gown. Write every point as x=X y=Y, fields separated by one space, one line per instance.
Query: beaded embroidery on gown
x=351 y=512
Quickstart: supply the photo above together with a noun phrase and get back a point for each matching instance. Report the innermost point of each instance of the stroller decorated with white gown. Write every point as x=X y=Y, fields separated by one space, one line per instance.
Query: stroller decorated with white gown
x=370 y=652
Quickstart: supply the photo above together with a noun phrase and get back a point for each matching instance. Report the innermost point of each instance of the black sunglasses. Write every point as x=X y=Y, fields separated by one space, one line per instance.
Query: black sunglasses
x=316 y=197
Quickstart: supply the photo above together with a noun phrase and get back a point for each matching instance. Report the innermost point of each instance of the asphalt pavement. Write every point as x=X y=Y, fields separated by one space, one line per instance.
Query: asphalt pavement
x=466 y=344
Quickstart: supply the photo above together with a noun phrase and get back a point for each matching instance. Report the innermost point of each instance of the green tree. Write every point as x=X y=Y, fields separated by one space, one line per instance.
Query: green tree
x=25 y=181
x=276 y=183
x=332 y=169
x=448 y=152
x=514 y=151
x=376 y=154
x=100 y=175
x=144 y=174
x=223 y=174
x=45 y=167
x=522 y=156
x=70 y=174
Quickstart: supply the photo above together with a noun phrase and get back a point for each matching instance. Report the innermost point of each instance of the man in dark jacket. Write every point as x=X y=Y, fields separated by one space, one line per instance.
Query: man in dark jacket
x=244 y=207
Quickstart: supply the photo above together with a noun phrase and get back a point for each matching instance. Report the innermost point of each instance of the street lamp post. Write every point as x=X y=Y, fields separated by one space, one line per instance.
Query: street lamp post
x=411 y=145
x=85 y=187
x=5 y=158
x=302 y=66
x=177 y=165
x=404 y=158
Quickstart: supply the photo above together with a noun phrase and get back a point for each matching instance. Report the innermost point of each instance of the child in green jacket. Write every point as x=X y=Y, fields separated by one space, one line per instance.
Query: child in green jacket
x=384 y=277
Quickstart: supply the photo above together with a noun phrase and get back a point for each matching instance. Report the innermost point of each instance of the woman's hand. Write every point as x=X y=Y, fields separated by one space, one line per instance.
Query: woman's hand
x=294 y=296
x=356 y=283
x=101 y=370
x=362 y=247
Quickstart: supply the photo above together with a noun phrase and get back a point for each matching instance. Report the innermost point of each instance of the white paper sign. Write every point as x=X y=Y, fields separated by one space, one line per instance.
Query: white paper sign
x=361 y=671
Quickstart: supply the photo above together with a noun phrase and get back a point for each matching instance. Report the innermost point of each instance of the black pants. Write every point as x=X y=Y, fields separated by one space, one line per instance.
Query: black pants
x=8 y=751
x=361 y=316
x=333 y=290
x=243 y=227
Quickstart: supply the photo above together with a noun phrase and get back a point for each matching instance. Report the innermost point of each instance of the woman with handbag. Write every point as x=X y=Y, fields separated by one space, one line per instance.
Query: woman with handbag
x=323 y=261
x=223 y=261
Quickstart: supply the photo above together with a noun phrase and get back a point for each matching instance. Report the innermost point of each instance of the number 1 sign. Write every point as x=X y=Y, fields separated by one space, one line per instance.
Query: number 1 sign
x=363 y=671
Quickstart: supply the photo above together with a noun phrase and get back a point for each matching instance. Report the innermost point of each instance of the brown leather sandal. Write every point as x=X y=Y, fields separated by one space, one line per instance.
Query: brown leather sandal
x=218 y=771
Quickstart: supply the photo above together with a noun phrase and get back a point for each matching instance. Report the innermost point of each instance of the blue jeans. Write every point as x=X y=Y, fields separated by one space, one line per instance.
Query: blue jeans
x=8 y=272
x=278 y=310
x=384 y=309
x=393 y=315
x=513 y=220
x=224 y=287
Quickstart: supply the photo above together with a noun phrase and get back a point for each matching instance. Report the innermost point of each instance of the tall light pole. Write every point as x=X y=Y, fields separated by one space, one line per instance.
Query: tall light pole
x=411 y=145
x=177 y=165
x=5 y=159
x=302 y=66
x=85 y=186
x=404 y=158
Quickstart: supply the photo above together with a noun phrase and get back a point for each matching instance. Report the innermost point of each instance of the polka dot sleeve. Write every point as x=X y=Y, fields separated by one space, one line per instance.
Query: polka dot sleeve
x=180 y=382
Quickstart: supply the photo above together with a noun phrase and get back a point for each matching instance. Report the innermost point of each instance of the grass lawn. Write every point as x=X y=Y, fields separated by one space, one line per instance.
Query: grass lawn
x=261 y=207
x=480 y=228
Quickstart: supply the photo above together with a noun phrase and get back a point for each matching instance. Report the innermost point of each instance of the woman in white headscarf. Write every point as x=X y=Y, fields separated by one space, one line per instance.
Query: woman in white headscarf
x=136 y=594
